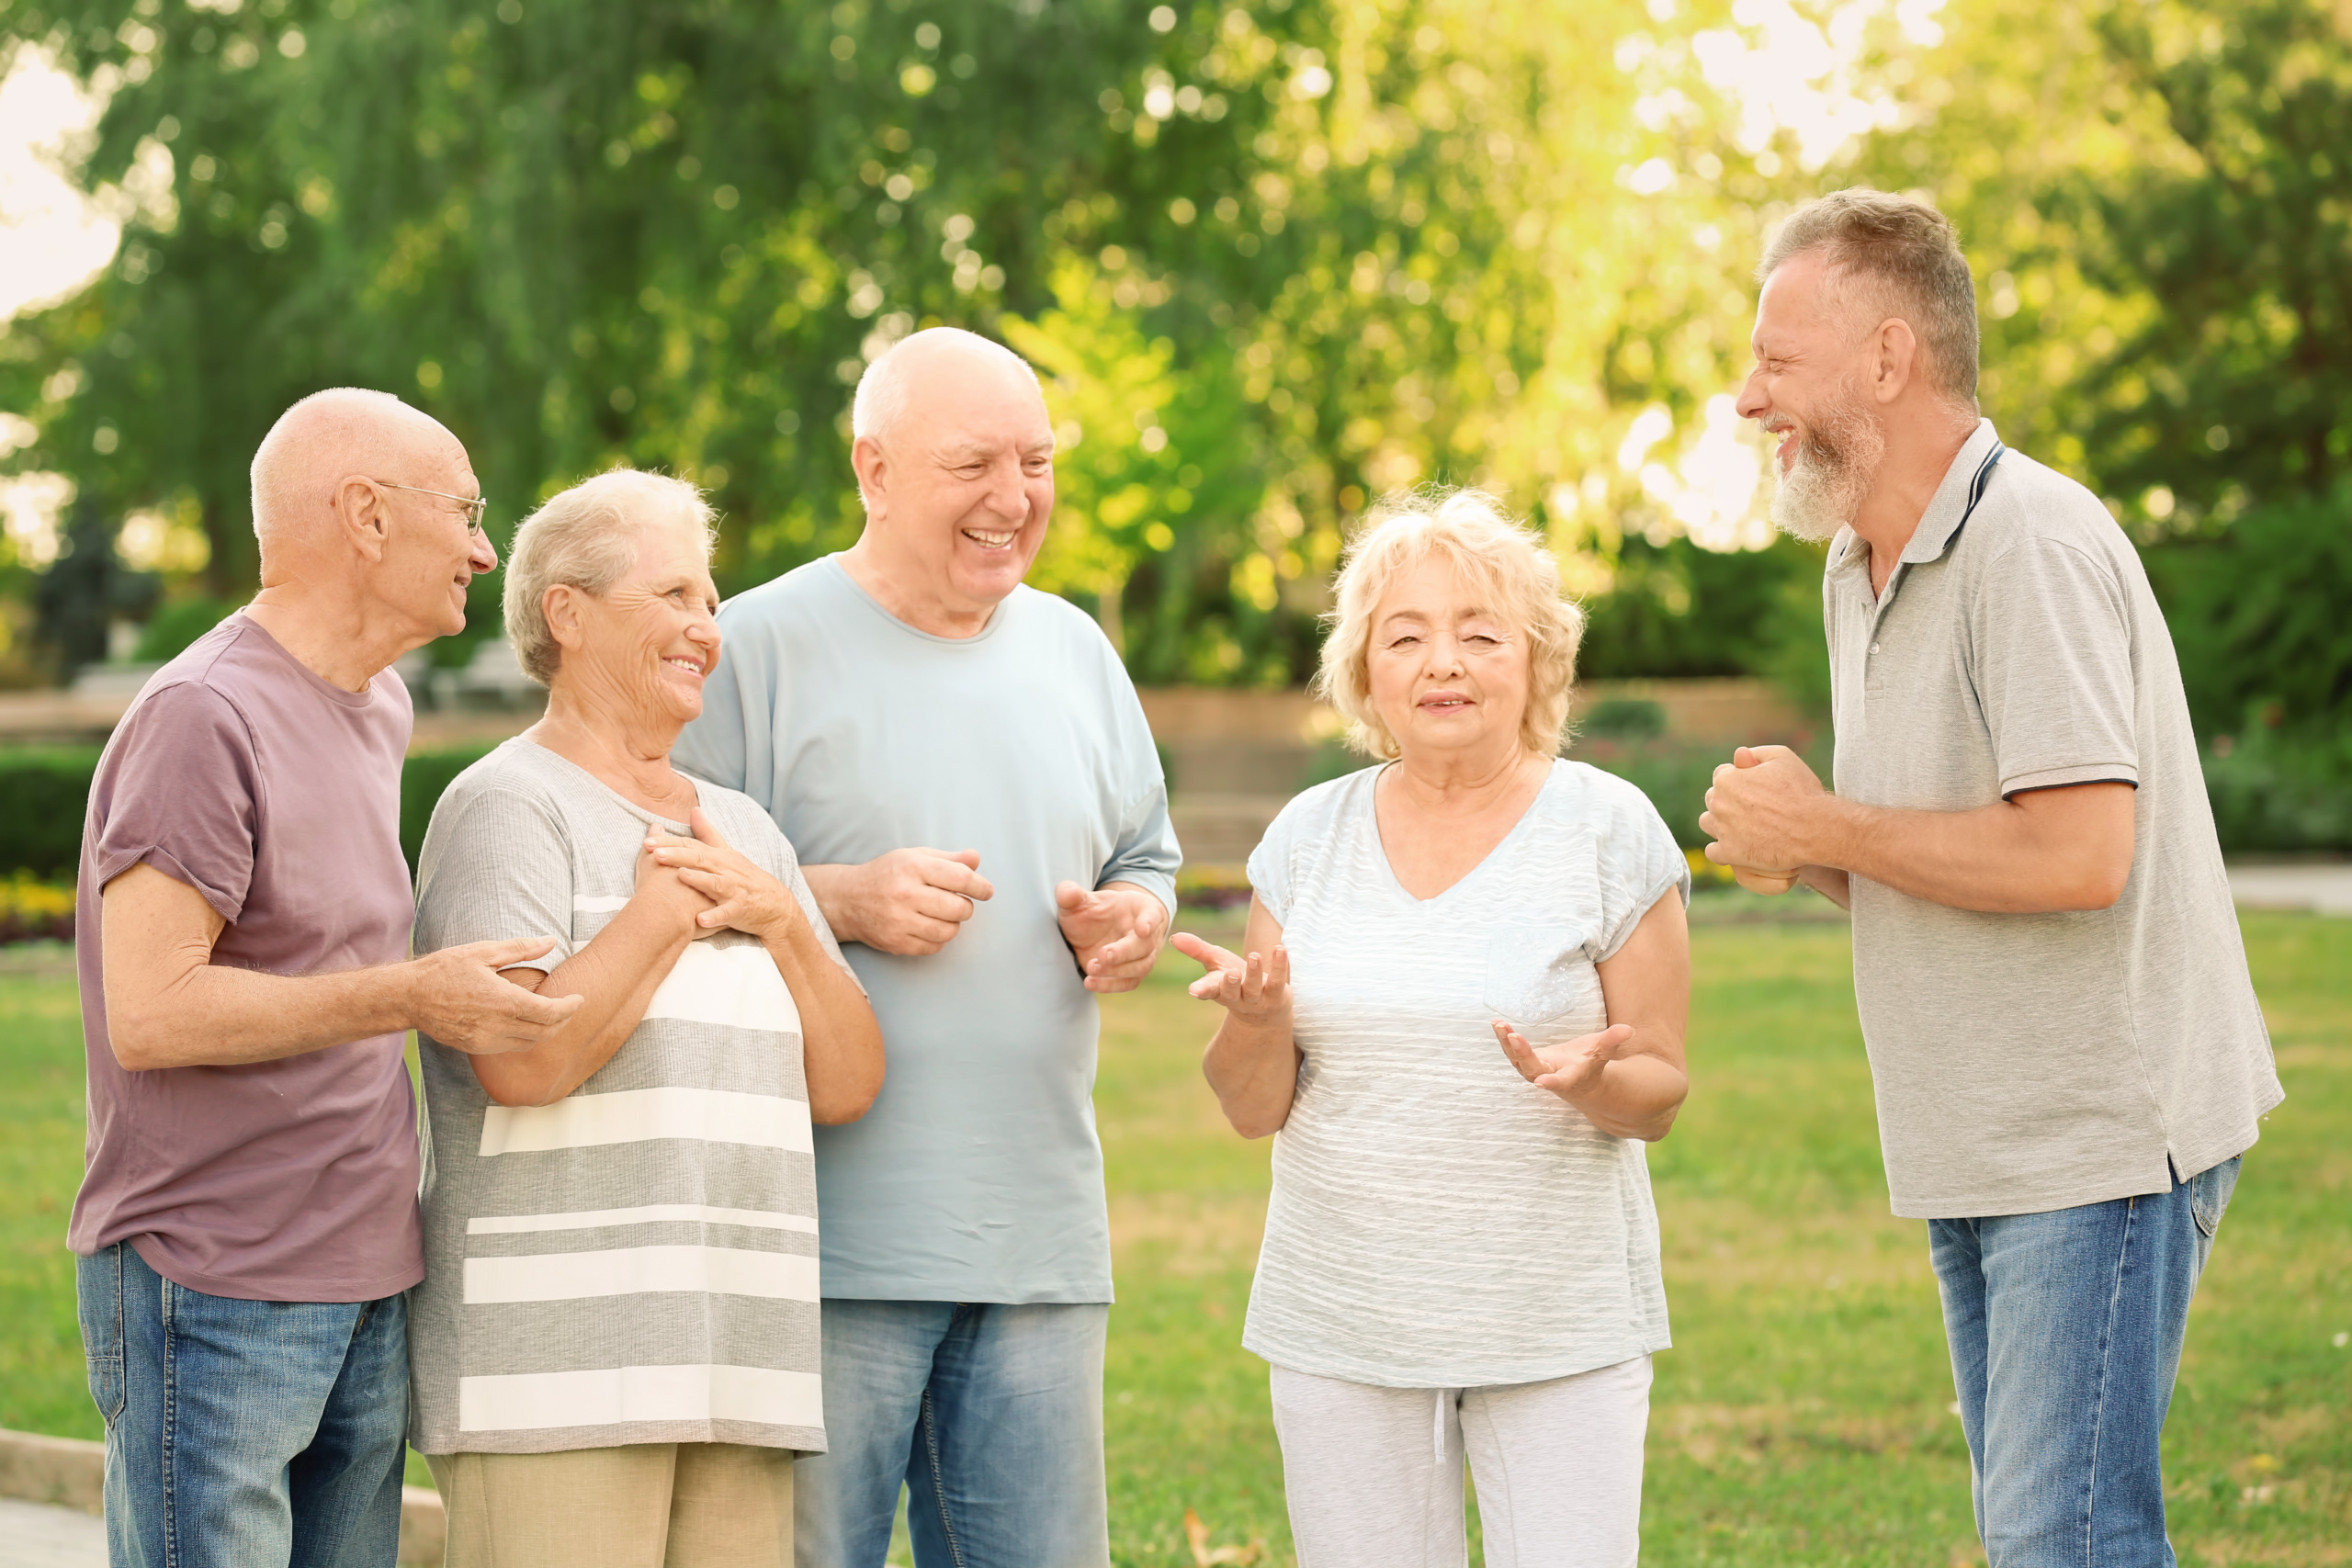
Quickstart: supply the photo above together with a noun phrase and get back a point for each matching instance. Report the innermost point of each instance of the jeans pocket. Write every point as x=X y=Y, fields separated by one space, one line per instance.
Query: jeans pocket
x=2208 y=1194
x=98 y=1302
x=1536 y=973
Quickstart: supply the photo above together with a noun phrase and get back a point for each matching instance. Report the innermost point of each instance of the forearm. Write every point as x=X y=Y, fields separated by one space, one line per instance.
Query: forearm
x=615 y=975
x=829 y=885
x=1635 y=1097
x=221 y=1016
x=1999 y=859
x=841 y=1044
x=1252 y=1066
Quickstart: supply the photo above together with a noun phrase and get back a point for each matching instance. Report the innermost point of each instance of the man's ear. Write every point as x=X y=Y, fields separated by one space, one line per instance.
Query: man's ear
x=866 y=460
x=1897 y=354
x=361 y=519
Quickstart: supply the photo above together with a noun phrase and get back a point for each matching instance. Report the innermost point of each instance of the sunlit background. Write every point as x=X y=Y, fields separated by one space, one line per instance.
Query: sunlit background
x=1276 y=257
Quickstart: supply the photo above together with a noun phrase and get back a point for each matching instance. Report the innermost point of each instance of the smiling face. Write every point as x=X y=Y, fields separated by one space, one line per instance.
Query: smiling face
x=431 y=552
x=1446 y=671
x=959 y=488
x=642 y=649
x=1810 y=387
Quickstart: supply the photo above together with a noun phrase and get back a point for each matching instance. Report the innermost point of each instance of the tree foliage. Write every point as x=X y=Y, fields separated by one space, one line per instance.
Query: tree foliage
x=1273 y=256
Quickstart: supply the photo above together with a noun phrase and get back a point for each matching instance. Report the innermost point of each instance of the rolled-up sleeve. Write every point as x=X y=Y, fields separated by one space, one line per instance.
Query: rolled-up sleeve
x=2051 y=664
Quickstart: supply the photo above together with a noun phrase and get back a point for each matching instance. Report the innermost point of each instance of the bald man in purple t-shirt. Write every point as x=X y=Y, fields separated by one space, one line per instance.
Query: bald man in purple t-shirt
x=248 y=1221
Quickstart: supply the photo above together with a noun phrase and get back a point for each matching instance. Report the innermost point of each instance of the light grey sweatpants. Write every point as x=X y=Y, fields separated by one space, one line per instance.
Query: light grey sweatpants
x=1374 y=1474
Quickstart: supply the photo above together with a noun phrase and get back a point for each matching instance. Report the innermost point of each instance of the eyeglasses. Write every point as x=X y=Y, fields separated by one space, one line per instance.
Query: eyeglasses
x=477 y=506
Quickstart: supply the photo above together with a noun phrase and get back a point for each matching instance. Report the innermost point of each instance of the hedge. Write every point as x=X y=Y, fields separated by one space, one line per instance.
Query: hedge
x=45 y=791
x=2270 y=793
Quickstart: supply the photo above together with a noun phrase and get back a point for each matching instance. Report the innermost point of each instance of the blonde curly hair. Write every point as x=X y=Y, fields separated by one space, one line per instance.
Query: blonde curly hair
x=1504 y=558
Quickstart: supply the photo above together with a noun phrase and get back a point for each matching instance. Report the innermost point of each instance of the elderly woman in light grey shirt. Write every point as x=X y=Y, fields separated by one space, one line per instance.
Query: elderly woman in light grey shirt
x=1461 y=1252
x=615 y=1349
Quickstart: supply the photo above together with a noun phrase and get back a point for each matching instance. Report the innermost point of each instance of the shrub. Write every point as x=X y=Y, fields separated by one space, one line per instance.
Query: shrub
x=43 y=793
x=2276 y=790
x=426 y=774
x=173 y=627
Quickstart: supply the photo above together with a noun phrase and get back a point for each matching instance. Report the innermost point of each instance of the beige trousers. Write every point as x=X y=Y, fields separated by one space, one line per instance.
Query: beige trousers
x=645 y=1505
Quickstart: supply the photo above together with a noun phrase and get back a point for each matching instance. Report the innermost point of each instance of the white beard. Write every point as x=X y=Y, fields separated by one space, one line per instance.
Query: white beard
x=1835 y=467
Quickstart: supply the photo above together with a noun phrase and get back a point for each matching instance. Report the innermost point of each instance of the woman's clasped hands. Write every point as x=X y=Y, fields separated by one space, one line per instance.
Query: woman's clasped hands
x=742 y=897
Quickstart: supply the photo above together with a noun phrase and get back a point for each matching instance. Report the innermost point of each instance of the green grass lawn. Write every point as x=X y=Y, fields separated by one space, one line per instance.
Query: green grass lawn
x=1804 y=1416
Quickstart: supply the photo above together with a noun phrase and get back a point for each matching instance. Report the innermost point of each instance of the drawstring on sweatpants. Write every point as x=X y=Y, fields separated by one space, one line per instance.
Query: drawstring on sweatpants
x=1437 y=1427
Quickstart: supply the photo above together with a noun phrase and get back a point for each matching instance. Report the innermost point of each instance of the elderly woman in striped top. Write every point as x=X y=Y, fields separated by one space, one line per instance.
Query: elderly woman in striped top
x=1461 y=1252
x=615 y=1347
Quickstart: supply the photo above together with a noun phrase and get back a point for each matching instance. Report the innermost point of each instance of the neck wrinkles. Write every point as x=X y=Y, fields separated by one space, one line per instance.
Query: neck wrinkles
x=624 y=747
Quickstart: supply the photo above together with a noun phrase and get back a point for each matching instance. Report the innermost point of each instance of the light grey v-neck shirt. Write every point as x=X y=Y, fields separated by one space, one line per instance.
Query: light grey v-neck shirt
x=637 y=1262
x=1437 y=1221
x=2026 y=1063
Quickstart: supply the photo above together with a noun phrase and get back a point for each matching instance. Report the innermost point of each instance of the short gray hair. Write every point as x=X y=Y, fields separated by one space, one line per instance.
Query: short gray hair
x=1898 y=256
x=1507 y=561
x=585 y=537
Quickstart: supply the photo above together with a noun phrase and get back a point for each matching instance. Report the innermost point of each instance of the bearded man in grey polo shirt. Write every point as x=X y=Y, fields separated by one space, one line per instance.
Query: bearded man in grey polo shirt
x=2067 y=1053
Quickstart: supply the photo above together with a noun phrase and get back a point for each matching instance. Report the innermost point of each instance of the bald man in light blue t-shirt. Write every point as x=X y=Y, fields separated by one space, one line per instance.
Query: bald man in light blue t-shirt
x=964 y=767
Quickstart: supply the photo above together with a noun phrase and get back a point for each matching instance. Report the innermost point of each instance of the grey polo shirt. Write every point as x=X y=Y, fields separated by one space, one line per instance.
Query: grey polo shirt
x=2025 y=1063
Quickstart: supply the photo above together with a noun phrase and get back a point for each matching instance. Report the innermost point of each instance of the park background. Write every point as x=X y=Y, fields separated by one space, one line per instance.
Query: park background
x=1273 y=258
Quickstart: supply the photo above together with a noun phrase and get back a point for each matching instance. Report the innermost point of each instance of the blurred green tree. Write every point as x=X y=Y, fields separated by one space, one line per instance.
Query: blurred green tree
x=1397 y=241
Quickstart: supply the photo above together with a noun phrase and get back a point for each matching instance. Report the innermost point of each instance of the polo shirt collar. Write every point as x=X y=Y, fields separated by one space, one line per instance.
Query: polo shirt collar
x=1963 y=487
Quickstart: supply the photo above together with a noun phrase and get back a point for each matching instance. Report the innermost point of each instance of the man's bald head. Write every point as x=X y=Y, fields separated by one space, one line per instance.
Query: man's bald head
x=948 y=360
x=332 y=435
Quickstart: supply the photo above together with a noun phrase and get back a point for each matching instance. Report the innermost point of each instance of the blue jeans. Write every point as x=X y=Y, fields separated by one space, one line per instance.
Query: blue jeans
x=2065 y=1332
x=990 y=1414
x=245 y=1434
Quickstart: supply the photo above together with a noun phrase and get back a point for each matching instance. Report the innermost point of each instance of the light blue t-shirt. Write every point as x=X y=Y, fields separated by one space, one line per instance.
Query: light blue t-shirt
x=977 y=1176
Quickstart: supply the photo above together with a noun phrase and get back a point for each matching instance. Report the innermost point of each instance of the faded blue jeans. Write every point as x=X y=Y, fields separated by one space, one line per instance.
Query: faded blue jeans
x=2065 y=1331
x=990 y=1414
x=245 y=1434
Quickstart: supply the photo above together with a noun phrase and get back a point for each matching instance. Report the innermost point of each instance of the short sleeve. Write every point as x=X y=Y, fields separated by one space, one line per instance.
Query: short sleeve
x=496 y=866
x=182 y=791
x=1269 y=868
x=1145 y=854
x=2051 y=662
x=1638 y=863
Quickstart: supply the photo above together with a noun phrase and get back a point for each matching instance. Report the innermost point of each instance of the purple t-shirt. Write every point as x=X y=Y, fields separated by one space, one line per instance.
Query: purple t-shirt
x=276 y=795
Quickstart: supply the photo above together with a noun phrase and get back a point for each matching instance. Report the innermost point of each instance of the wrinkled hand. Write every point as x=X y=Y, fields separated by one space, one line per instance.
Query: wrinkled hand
x=739 y=894
x=1762 y=803
x=1566 y=1070
x=1114 y=931
x=661 y=885
x=1256 y=988
x=463 y=1001
x=910 y=902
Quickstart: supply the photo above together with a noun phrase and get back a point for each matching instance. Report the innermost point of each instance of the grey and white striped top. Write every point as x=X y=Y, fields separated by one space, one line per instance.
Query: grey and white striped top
x=636 y=1263
x=1437 y=1221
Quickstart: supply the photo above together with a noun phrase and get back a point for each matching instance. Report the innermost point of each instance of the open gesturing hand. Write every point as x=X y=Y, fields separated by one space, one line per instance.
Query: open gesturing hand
x=1569 y=1070
x=1256 y=988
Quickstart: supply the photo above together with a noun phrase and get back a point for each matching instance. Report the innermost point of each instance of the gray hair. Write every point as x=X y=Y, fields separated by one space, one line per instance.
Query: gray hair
x=586 y=538
x=1894 y=256
x=882 y=390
